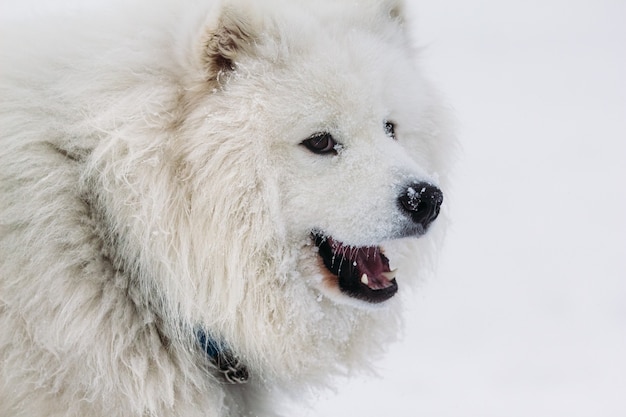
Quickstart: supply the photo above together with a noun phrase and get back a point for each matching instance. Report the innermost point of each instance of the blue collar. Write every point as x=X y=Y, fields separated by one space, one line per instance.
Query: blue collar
x=231 y=368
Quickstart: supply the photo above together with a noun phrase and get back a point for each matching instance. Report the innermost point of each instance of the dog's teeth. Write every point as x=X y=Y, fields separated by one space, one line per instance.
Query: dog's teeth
x=364 y=279
x=390 y=275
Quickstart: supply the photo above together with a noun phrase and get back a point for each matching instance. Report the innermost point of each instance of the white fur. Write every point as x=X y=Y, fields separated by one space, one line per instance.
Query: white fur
x=144 y=193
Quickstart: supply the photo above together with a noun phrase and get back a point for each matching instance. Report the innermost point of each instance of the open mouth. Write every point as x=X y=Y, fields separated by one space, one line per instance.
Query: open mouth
x=361 y=272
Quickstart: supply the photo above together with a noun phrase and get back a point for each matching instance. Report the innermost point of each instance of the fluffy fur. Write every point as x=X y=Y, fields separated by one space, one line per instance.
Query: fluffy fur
x=153 y=181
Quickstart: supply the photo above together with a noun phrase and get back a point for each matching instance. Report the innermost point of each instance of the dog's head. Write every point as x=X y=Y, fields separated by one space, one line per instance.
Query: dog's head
x=346 y=127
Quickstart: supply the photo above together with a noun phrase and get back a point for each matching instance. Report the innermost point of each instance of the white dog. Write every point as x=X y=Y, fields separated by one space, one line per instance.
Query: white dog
x=204 y=203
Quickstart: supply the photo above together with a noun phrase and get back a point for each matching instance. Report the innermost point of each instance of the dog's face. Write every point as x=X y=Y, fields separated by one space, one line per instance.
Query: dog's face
x=349 y=130
x=355 y=167
x=353 y=144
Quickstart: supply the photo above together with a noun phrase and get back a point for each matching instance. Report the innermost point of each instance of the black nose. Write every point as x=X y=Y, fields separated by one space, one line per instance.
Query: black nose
x=422 y=202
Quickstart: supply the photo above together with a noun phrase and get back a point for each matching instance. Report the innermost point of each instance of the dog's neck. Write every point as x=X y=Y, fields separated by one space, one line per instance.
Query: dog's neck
x=229 y=366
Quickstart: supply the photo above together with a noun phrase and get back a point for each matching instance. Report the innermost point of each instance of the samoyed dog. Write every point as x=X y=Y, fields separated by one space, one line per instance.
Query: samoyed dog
x=206 y=203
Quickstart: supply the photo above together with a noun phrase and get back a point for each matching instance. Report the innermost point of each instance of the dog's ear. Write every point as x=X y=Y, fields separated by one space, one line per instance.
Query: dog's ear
x=393 y=14
x=385 y=10
x=395 y=10
x=224 y=40
x=385 y=15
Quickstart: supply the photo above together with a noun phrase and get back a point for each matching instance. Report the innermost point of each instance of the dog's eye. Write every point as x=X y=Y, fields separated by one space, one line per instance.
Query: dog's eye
x=390 y=129
x=321 y=143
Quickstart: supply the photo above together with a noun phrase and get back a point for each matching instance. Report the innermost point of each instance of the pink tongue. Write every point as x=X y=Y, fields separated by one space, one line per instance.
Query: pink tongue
x=369 y=261
x=373 y=263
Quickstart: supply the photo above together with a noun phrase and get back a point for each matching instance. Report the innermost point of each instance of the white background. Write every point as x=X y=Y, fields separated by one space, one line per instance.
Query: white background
x=527 y=314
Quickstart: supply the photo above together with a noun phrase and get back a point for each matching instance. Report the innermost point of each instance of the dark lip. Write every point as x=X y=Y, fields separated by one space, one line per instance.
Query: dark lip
x=349 y=276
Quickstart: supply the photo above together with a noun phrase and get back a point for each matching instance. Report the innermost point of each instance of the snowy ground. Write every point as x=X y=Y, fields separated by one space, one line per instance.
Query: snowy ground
x=527 y=316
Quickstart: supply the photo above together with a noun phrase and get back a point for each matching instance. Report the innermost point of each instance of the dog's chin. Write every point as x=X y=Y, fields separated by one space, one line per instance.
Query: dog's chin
x=358 y=276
